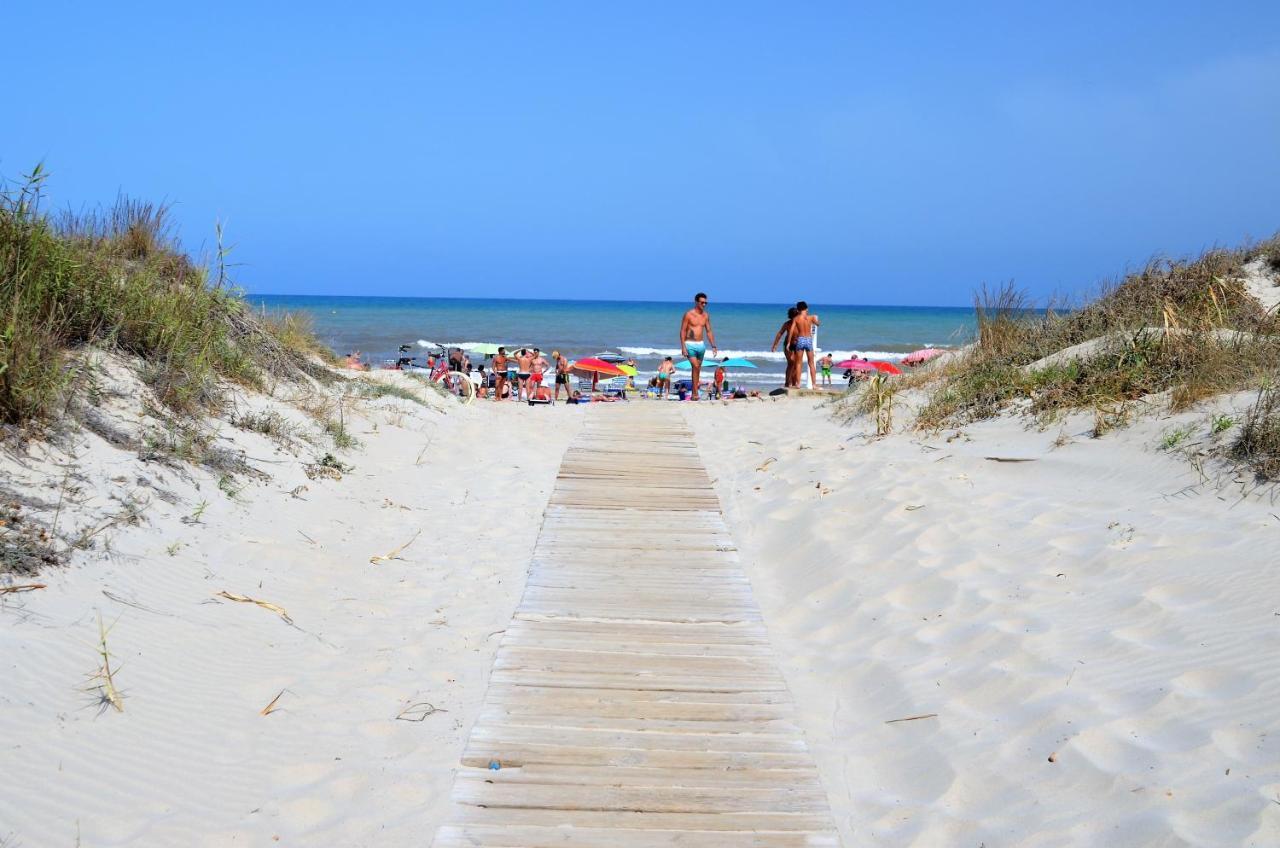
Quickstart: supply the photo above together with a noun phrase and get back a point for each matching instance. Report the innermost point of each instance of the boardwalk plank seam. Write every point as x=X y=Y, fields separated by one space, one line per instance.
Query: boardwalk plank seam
x=635 y=700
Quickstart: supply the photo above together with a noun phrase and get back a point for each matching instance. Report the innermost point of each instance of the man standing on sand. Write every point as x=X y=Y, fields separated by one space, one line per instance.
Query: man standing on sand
x=788 y=349
x=693 y=346
x=562 y=373
x=827 y=362
x=537 y=367
x=525 y=364
x=500 y=374
x=802 y=336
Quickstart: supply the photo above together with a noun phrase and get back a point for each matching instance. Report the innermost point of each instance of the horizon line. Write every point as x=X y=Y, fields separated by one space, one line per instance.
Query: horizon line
x=601 y=300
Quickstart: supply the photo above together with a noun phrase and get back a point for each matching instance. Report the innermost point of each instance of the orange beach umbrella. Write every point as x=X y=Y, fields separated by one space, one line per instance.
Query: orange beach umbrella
x=591 y=365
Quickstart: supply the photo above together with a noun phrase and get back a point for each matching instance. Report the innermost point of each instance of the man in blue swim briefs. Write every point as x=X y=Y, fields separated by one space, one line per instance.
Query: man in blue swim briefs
x=693 y=346
x=802 y=336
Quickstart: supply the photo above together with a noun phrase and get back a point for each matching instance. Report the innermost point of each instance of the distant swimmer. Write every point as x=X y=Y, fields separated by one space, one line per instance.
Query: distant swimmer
x=693 y=345
x=802 y=327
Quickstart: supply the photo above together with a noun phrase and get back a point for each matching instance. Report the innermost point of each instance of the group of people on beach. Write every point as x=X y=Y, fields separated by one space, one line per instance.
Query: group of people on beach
x=523 y=374
x=797 y=336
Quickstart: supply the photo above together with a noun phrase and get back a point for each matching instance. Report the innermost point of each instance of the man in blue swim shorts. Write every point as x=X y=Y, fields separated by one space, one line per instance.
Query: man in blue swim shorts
x=695 y=324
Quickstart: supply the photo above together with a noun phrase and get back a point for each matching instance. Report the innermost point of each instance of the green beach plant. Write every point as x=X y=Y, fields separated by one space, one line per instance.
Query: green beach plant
x=1188 y=328
x=118 y=278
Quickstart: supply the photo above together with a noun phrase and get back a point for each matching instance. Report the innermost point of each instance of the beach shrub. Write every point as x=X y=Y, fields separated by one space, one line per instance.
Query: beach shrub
x=119 y=279
x=1258 y=444
x=1187 y=327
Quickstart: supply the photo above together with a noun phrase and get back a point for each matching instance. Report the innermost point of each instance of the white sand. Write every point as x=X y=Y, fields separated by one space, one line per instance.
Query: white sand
x=190 y=762
x=1086 y=606
x=1101 y=605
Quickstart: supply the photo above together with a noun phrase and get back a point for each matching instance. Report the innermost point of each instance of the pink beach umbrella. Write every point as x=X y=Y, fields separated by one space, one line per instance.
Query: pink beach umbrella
x=918 y=356
x=856 y=365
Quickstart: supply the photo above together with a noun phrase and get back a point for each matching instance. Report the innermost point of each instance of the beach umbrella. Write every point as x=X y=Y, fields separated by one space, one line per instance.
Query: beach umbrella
x=484 y=348
x=886 y=367
x=924 y=355
x=685 y=365
x=856 y=365
x=629 y=370
x=591 y=365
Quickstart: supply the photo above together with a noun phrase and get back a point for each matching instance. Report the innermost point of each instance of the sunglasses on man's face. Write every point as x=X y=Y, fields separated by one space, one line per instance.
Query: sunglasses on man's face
x=702 y=303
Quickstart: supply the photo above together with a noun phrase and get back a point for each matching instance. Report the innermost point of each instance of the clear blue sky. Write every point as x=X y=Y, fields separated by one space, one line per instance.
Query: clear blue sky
x=841 y=152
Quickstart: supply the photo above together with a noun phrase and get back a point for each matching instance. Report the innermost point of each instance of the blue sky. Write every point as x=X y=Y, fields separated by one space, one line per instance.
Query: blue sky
x=839 y=152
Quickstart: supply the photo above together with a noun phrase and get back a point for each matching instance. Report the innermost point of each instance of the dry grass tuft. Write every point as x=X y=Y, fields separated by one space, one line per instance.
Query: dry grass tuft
x=1258 y=444
x=1189 y=328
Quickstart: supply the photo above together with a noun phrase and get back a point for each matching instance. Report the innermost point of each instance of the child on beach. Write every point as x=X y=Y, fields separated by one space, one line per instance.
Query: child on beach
x=721 y=382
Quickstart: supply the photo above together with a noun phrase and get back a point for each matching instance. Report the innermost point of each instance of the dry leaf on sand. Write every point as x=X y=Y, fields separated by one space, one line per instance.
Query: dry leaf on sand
x=267 y=605
x=396 y=553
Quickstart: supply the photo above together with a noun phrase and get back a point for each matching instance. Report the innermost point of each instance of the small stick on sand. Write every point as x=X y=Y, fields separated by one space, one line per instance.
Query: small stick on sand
x=267 y=605
x=1010 y=458
x=766 y=463
x=911 y=718
x=271 y=707
x=396 y=553
x=24 y=587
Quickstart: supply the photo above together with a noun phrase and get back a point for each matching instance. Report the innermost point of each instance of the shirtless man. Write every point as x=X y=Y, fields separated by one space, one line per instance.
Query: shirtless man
x=788 y=350
x=525 y=363
x=693 y=346
x=665 y=372
x=802 y=336
x=562 y=373
x=537 y=367
x=499 y=373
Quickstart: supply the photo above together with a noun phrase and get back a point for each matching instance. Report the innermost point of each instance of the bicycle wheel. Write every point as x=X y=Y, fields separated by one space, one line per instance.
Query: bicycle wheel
x=457 y=385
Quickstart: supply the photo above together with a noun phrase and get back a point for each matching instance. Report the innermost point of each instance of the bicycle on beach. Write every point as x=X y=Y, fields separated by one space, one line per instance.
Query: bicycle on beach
x=456 y=383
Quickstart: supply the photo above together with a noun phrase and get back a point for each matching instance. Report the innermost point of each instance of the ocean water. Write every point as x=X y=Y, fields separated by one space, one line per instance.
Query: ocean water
x=649 y=331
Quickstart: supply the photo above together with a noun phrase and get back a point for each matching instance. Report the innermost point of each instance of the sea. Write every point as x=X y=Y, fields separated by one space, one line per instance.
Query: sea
x=646 y=330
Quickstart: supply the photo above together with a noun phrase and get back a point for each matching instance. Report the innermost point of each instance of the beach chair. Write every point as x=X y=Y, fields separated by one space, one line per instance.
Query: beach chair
x=616 y=387
x=542 y=396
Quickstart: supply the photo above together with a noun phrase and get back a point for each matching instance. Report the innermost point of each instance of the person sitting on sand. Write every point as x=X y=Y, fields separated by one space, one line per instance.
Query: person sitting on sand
x=826 y=362
x=665 y=370
x=353 y=363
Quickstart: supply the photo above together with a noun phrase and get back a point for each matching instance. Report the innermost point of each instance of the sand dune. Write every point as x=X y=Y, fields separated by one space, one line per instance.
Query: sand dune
x=1096 y=644
x=191 y=761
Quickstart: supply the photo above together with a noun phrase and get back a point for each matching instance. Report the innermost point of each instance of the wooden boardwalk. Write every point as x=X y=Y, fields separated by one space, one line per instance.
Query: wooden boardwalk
x=634 y=700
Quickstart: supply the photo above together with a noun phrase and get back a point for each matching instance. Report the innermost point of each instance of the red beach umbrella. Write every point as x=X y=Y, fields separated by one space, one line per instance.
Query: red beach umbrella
x=591 y=365
x=924 y=355
x=886 y=367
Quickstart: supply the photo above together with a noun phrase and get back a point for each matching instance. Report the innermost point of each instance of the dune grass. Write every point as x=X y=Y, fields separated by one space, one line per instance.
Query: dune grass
x=119 y=279
x=1258 y=444
x=1188 y=328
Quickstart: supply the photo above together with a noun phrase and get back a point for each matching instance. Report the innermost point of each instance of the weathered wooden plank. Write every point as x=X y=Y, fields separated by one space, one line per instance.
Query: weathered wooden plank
x=527 y=836
x=634 y=700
